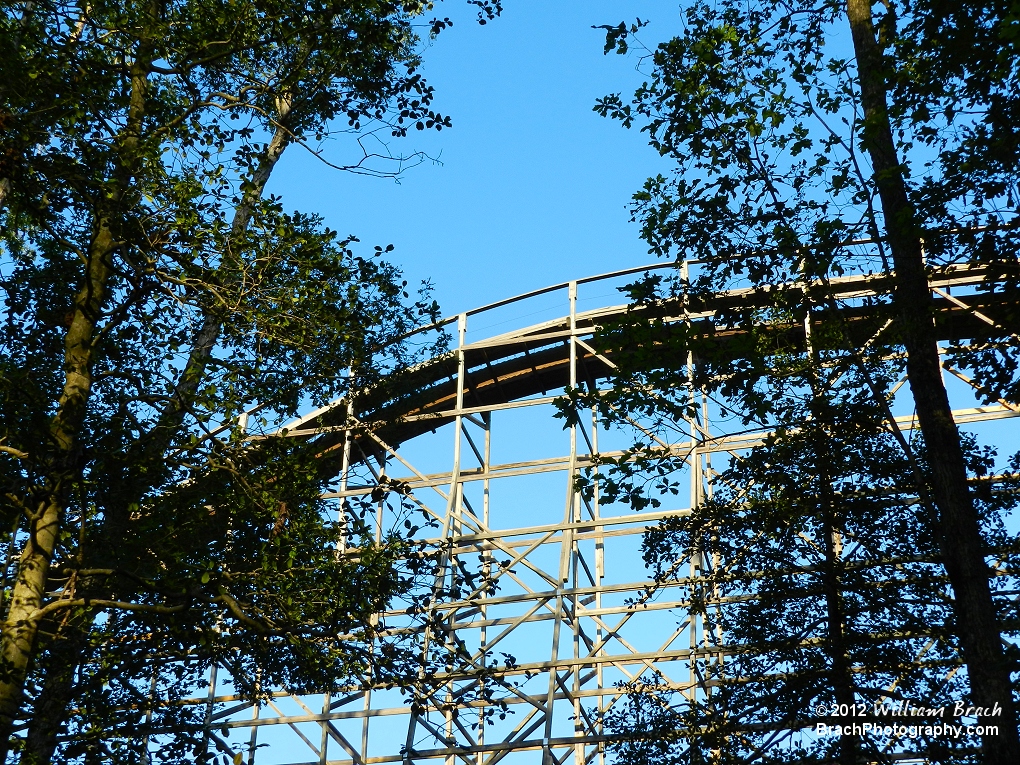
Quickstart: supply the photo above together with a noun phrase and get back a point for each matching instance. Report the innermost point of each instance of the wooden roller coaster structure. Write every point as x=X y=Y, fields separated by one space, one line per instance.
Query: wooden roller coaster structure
x=477 y=450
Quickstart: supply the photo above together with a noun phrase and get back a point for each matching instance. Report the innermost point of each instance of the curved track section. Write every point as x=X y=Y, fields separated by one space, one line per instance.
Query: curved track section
x=547 y=357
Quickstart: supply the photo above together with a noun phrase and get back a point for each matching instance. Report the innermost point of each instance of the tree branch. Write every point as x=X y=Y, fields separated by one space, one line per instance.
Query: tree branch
x=238 y=613
x=120 y=605
x=13 y=452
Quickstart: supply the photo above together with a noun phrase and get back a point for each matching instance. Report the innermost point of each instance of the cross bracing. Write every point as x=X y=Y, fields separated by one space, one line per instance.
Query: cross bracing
x=561 y=614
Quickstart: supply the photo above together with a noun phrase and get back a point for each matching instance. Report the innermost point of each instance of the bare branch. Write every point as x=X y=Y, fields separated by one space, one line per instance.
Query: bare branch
x=14 y=452
x=119 y=605
x=238 y=613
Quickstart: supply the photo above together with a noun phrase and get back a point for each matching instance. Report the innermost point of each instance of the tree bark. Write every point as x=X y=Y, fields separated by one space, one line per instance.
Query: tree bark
x=842 y=677
x=17 y=644
x=156 y=441
x=20 y=627
x=56 y=696
x=962 y=545
x=56 y=693
x=832 y=586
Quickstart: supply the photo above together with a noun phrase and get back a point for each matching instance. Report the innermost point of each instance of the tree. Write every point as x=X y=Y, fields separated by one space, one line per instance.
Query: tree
x=821 y=584
x=160 y=312
x=801 y=128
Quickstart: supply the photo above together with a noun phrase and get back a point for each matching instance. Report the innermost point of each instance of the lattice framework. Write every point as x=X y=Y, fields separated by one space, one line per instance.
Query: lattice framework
x=572 y=605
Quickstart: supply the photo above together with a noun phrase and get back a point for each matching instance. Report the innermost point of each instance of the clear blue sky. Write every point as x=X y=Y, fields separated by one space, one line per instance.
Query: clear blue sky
x=533 y=186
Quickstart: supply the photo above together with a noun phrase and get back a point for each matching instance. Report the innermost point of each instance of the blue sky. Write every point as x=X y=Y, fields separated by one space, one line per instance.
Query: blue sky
x=532 y=186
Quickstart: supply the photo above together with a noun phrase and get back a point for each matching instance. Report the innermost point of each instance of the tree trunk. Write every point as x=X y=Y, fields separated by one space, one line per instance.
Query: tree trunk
x=17 y=643
x=56 y=693
x=41 y=742
x=155 y=442
x=835 y=644
x=20 y=627
x=842 y=677
x=962 y=545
